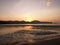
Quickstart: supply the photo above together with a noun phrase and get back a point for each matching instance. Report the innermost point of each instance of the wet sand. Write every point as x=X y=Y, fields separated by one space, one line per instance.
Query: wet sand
x=47 y=42
x=53 y=41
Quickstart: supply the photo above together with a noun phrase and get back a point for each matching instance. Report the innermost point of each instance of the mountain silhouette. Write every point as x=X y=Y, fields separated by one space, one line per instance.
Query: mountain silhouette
x=24 y=22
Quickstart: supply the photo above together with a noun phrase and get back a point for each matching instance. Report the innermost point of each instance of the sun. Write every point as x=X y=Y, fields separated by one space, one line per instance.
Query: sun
x=28 y=19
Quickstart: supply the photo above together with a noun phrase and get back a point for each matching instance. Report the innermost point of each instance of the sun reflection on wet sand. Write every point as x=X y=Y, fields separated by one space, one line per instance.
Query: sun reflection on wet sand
x=28 y=27
x=30 y=41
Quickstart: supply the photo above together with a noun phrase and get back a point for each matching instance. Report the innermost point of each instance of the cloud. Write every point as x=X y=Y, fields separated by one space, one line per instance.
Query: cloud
x=49 y=3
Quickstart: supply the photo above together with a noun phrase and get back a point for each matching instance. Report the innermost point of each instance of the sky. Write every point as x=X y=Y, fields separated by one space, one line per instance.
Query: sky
x=28 y=10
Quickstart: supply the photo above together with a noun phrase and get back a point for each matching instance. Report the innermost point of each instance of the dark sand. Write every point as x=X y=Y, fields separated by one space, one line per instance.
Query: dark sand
x=47 y=42
x=50 y=42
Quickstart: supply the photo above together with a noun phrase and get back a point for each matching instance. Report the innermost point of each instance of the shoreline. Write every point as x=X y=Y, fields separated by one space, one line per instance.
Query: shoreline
x=29 y=41
x=55 y=41
x=36 y=25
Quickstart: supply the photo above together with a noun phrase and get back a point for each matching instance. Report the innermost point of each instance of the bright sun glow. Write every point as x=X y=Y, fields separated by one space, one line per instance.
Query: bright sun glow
x=29 y=19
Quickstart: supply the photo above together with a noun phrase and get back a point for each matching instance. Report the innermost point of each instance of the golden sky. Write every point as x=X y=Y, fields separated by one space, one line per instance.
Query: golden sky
x=28 y=10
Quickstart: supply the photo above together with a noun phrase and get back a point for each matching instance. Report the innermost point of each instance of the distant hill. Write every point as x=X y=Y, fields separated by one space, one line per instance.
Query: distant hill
x=24 y=22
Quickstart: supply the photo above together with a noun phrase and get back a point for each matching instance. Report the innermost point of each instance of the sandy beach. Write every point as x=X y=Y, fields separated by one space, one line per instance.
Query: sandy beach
x=26 y=37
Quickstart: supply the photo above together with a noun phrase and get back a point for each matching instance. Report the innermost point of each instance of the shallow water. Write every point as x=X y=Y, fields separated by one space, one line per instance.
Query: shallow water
x=27 y=33
x=5 y=29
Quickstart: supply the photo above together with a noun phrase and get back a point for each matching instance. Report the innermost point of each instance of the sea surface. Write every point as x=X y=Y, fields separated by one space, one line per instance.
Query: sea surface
x=27 y=33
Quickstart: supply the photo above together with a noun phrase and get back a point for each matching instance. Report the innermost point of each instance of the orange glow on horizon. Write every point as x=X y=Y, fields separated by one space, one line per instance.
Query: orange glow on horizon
x=29 y=19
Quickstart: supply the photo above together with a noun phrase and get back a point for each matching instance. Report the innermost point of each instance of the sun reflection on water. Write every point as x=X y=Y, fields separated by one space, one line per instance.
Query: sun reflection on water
x=28 y=27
